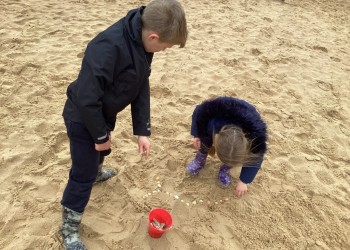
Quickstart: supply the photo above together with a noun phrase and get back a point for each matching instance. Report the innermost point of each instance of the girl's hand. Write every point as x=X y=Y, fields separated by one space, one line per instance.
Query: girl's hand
x=241 y=189
x=196 y=142
x=144 y=146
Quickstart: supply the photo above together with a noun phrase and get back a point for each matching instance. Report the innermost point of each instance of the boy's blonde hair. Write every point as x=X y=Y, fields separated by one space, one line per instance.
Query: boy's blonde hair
x=232 y=147
x=167 y=19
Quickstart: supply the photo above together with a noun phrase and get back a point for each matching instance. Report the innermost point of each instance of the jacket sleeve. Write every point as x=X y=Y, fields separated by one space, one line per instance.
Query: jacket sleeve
x=194 y=128
x=140 y=111
x=249 y=171
x=200 y=123
x=96 y=71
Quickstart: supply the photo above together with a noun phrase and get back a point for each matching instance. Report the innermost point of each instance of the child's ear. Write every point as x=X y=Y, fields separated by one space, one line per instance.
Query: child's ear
x=153 y=36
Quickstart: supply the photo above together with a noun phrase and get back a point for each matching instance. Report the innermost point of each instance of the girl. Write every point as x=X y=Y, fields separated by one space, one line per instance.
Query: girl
x=234 y=129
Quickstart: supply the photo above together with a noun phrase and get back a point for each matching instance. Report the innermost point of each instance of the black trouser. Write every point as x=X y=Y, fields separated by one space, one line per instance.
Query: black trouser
x=83 y=172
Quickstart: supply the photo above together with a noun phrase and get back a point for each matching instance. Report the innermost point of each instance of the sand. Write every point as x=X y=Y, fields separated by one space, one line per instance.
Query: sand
x=291 y=60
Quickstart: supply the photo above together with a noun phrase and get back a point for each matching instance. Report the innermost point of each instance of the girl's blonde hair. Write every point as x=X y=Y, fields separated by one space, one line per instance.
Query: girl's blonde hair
x=167 y=19
x=232 y=147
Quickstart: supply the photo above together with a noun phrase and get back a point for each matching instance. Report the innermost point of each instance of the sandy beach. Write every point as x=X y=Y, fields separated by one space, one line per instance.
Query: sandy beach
x=290 y=59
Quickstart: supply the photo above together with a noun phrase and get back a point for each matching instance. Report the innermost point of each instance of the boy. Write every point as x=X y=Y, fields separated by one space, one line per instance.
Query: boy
x=114 y=73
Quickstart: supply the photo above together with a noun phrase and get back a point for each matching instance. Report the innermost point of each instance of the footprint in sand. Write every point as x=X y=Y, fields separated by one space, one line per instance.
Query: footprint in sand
x=325 y=178
x=321 y=48
x=324 y=85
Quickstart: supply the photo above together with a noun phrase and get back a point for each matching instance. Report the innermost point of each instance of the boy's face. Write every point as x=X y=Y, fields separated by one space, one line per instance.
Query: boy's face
x=152 y=44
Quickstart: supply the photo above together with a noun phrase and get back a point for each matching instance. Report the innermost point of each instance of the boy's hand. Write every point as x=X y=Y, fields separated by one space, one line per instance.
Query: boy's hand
x=241 y=189
x=103 y=146
x=144 y=146
x=196 y=143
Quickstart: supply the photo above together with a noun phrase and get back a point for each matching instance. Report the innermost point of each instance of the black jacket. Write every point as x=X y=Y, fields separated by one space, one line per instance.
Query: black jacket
x=114 y=73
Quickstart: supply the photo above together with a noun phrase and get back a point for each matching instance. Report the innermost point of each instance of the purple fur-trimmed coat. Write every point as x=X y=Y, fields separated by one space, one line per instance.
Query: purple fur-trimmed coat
x=211 y=115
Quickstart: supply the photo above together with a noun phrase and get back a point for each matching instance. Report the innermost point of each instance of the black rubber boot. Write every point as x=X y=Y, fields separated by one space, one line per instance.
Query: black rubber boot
x=104 y=174
x=70 y=230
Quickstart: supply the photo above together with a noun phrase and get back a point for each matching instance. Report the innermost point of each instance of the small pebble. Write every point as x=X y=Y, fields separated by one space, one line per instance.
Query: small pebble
x=176 y=197
x=187 y=204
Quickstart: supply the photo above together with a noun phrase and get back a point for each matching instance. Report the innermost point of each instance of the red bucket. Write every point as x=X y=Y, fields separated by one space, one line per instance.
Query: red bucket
x=159 y=221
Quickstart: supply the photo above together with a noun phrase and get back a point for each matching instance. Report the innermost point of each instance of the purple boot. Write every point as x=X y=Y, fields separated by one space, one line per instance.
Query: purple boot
x=198 y=163
x=225 y=178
